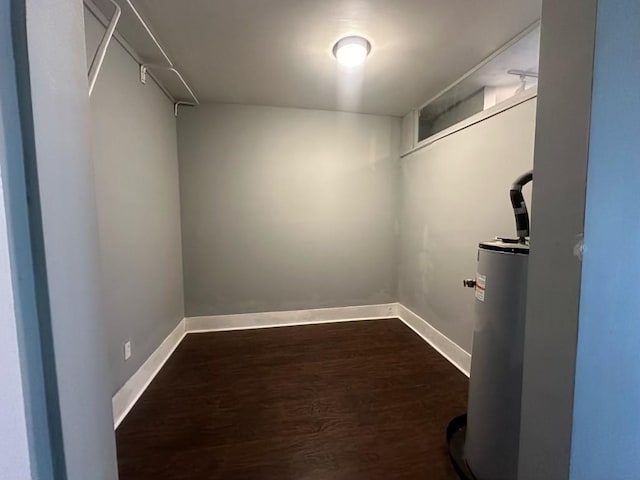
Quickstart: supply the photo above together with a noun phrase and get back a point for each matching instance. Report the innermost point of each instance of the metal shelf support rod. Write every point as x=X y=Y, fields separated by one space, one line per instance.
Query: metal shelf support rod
x=98 y=59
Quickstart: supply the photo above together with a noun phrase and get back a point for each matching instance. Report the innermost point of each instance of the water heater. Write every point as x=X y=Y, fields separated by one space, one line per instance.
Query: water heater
x=483 y=444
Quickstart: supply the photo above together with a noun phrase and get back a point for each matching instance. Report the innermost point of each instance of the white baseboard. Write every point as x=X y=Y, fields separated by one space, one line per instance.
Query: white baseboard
x=458 y=357
x=246 y=321
x=125 y=398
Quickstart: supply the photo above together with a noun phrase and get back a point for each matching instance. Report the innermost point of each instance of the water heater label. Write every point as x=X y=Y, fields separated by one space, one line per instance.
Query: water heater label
x=481 y=286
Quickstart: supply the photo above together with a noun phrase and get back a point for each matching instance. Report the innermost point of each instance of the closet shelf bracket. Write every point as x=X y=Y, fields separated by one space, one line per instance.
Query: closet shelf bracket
x=143 y=78
x=98 y=58
x=186 y=104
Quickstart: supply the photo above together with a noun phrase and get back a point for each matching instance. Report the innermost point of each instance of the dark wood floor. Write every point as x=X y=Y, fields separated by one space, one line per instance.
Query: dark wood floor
x=344 y=401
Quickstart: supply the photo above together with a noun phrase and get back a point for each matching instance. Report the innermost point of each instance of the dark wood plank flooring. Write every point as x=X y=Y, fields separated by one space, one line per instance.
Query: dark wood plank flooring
x=343 y=401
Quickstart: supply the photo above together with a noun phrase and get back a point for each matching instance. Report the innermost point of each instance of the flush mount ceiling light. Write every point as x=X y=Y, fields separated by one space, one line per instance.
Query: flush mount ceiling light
x=351 y=51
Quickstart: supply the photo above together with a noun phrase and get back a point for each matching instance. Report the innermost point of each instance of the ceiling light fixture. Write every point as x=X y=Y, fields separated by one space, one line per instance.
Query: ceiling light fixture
x=351 y=51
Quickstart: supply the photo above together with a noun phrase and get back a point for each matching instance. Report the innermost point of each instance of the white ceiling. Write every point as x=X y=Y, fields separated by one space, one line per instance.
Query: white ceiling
x=279 y=52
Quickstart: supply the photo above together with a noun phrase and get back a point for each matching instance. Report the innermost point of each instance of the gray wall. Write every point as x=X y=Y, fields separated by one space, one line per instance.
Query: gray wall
x=65 y=193
x=134 y=146
x=287 y=209
x=455 y=193
x=560 y=164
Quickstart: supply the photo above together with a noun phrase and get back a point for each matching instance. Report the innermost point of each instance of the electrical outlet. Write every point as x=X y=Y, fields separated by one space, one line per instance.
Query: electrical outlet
x=127 y=350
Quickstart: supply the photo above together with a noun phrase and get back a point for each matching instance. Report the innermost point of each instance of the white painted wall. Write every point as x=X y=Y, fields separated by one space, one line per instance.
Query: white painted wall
x=454 y=194
x=134 y=147
x=65 y=193
x=287 y=209
x=554 y=281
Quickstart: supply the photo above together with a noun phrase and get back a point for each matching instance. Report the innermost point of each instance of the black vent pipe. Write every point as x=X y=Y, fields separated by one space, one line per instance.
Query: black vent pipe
x=520 y=207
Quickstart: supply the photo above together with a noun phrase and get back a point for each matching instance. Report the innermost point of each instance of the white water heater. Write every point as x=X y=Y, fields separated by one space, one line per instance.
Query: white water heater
x=483 y=444
x=495 y=386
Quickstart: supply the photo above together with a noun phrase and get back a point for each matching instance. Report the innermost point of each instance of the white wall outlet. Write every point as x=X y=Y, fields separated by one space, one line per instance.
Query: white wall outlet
x=127 y=350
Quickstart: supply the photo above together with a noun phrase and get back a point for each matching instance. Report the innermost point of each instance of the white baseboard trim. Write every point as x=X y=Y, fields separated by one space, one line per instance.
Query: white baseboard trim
x=125 y=398
x=245 y=321
x=450 y=350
